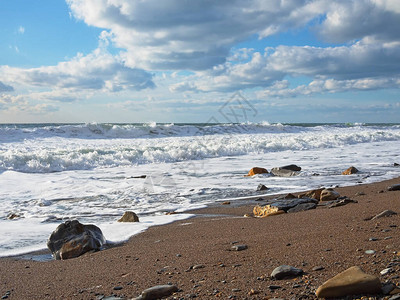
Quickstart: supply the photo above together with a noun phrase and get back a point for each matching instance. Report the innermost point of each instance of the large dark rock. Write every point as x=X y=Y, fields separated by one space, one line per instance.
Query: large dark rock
x=72 y=239
x=287 y=204
x=292 y=168
x=302 y=207
x=395 y=187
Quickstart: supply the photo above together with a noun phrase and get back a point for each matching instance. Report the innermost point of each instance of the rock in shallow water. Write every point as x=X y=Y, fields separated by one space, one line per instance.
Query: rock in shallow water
x=352 y=281
x=129 y=216
x=257 y=170
x=286 y=271
x=72 y=239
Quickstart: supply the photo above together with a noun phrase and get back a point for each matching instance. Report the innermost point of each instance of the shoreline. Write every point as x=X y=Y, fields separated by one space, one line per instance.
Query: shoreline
x=334 y=239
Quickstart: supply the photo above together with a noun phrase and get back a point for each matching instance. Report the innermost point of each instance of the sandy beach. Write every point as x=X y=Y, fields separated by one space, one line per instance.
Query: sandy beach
x=195 y=254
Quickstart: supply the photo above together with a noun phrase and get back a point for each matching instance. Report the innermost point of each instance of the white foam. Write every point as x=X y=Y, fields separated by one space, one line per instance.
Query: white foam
x=96 y=179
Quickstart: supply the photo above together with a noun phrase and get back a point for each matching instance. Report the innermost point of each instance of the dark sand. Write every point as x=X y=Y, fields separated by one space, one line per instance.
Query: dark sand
x=335 y=239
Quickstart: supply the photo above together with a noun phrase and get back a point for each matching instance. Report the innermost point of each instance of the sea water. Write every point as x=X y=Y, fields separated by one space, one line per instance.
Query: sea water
x=50 y=173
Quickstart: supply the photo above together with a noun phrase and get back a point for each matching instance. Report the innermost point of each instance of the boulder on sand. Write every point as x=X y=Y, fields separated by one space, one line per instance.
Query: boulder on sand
x=352 y=281
x=72 y=239
x=257 y=170
x=329 y=194
x=266 y=211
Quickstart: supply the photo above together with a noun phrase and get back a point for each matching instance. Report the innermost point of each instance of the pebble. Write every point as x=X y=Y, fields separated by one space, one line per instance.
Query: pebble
x=372 y=239
x=370 y=252
x=117 y=288
x=157 y=292
x=386 y=271
x=195 y=267
x=239 y=247
x=285 y=271
x=274 y=287
x=318 y=268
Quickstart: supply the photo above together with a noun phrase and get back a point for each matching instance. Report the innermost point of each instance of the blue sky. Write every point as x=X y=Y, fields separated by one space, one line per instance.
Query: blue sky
x=181 y=61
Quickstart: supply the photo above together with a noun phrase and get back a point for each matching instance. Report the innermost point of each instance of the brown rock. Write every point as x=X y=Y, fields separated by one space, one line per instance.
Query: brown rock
x=316 y=194
x=72 y=239
x=349 y=171
x=257 y=170
x=329 y=194
x=352 y=281
x=129 y=216
x=266 y=211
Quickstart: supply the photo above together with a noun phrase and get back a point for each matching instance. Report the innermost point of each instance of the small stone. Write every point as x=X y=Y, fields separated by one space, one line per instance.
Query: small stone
x=117 y=288
x=318 y=268
x=370 y=252
x=395 y=187
x=196 y=267
x=386 y=271
x=129 y=216
x=239 y=247
x=385 y=213
x=253 y=292
x=157 y=292
x=372 y=239
x=226 y=202
x=261 y=187
x=352 y=281
x=274 y=287
x=285 y=271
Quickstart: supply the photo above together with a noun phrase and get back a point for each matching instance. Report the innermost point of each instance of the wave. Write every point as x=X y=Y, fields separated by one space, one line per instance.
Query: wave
x=68 y=149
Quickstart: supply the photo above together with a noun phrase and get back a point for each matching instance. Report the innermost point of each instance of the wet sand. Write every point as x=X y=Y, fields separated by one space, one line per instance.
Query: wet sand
x=334 y=239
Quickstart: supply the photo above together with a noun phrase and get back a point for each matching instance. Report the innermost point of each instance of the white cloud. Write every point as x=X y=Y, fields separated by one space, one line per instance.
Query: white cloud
x=330 y=86
x=174 y=34
x=98 y=71
x=21 y=30
x=365 y=61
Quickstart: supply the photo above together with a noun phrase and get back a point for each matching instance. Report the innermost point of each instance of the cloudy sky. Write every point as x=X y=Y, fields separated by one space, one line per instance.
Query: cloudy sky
x=183 y=60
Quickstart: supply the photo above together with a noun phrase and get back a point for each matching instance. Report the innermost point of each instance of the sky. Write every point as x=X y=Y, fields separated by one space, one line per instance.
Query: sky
x=187 y=61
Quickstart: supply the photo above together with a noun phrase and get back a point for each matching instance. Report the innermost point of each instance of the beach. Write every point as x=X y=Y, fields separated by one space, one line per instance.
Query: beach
x=196 y=254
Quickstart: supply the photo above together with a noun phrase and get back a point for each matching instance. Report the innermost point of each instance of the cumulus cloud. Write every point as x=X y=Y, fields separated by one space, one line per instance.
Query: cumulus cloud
x=370 y=62
x=199 y=35
x=98 y=71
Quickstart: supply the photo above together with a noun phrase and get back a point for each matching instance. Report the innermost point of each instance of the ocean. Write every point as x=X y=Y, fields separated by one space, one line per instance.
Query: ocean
x=50 y=173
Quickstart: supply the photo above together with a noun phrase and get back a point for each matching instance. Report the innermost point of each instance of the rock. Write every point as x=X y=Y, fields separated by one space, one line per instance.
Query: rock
x=316 y=194
x=257 y=170
x=261 y=187
x=342 y=202
x=283 y=172
x=291 y=168
x=13 y=216
x=385 y=213
x=370 y=252
x=72 y=239
x=288 y=196
x=386 y=271
x=396 y=164
x=329 y=194
x=349 y=171
x=266 y=211
x=302 y=207
x=387 y=288
x=395 y=187
x=129 y=216
x=287 y=204
x=352 y=281
x=286 y=271
x=226 y=203
x=239 y=247
x=157 y=292
x=318 y=268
